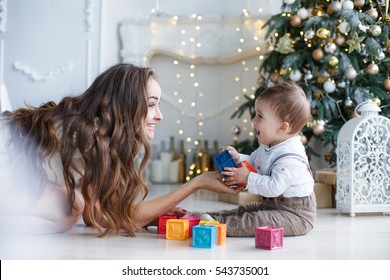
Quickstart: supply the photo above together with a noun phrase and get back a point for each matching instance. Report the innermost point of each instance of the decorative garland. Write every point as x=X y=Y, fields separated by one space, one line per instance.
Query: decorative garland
x=3 y=15
x=36 y=77
x=88 y=15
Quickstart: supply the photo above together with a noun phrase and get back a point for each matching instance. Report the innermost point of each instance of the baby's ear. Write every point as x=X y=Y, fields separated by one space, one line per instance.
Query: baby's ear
x=284 y=127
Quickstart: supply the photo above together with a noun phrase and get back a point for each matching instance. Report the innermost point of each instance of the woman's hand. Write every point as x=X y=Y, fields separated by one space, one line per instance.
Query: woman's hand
x=177 y=211
x=212 y=181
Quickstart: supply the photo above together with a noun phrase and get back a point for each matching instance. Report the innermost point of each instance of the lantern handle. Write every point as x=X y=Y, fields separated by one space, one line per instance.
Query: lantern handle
x=371 y=107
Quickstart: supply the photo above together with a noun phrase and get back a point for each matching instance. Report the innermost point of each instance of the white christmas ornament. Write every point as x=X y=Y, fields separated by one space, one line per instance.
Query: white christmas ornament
x=381 y=56
x=330 y=47
x=303 y=13
x=329 y=86
x=375 y=30
x=350 y=73
x=335 y=7
x=309 y=34
x=344 y=27
x=289 y=2
x=309 y=75
x=363 y=155
x=348 y=5
x=295 y=75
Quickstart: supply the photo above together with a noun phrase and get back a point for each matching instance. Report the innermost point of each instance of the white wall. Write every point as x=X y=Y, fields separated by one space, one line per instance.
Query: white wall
x=222 y=94
x=49 y=48
x=115 y=11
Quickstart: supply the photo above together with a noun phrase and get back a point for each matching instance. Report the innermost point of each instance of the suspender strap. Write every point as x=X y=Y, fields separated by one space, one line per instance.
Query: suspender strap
x=290 y=155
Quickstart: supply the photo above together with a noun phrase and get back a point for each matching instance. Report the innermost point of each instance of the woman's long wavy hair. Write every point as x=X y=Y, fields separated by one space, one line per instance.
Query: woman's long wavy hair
x=106 y=126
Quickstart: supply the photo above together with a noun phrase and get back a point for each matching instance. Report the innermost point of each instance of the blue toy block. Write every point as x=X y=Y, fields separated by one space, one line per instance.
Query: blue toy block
x=204 y=236
x=224 y=159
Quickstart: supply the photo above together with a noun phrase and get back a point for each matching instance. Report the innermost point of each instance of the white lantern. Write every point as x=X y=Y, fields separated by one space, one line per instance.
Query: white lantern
x=363 y=162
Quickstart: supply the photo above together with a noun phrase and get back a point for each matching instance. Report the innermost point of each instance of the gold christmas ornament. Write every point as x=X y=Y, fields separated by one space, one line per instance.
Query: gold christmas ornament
x=322 y=79
x=318 y=54
x=377 y=101
x=386 y=84
x=359 y=3
x=354 y=43
x=333 y=61
x=303 y=139
x=375 y=30
x=372 y=69
x=274 y=77
x=282 y=72
x=329 y=157
x=318 y=94
x=372 y=13
x=340 y=40
x=386 y=18
x=332 y=70
x=295 y=20
x=317 y=11
x=318 y=129
x=284 y=45
x=322 y=33
x=387 y=46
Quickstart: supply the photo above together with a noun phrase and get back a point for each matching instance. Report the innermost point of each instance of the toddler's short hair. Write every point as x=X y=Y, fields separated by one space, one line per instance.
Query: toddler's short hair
x=289 y=102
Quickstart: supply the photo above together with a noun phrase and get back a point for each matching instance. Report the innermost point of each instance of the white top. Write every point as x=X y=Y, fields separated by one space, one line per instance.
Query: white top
x=9 y=168
x=291 y=176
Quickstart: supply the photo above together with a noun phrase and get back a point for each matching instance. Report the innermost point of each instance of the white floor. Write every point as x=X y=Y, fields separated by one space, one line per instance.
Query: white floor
x=335 y=237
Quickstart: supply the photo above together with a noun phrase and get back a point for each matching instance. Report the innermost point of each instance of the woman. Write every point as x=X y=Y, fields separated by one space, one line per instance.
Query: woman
x=79 y=159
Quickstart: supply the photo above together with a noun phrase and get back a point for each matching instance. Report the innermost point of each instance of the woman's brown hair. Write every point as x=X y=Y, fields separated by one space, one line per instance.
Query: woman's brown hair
x=105 y=125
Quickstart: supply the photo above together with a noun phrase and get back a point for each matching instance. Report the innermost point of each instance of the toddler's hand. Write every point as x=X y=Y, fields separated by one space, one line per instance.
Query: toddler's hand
x=236 y=176
x=233 y=152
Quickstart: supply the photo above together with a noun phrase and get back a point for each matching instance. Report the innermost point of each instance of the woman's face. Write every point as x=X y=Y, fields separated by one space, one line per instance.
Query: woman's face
x=154 y=114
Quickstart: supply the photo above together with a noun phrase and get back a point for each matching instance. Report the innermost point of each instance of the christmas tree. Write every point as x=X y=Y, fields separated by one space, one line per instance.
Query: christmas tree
x=338 y=52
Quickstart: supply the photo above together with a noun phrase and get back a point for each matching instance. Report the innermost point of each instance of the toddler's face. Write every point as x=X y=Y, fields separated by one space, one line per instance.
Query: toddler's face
x=266 y=124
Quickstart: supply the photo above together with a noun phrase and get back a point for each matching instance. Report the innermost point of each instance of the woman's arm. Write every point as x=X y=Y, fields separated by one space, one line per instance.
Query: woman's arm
x=148 y=211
